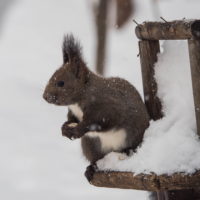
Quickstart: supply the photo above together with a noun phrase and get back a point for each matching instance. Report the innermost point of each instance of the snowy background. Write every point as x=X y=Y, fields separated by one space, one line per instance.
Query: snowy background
x=36 y=161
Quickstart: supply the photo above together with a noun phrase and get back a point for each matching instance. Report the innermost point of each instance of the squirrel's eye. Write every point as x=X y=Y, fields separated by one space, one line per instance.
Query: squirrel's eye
x=60 y=83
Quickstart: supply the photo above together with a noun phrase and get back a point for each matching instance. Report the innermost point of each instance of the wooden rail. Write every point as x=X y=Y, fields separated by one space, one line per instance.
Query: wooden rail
x=150 y=182
x=174 y=30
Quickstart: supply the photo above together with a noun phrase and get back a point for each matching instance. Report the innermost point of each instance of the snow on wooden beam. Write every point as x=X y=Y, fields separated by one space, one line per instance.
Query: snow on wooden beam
x=174 y=30
x=152 y=182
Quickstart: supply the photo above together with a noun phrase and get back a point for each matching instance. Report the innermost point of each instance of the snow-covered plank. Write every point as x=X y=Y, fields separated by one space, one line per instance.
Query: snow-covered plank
x=150 y=182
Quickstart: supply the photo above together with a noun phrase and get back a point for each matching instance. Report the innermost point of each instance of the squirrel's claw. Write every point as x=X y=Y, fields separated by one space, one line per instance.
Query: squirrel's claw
x=89 y=173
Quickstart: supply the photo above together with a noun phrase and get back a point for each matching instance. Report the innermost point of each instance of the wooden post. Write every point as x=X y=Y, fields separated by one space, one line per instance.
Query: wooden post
x=148 y=50
x=162 y=195
x=148 y=57
x=194 y=52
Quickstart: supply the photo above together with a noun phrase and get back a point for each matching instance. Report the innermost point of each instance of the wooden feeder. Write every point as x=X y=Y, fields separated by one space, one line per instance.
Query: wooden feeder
x=178 y=186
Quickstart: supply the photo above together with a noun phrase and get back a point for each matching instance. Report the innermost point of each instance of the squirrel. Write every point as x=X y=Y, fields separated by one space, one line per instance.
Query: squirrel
x=108 y=114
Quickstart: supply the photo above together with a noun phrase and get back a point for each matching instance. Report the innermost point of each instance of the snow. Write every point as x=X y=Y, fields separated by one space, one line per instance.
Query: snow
x=36 y=161
x=94 y=127
x=170 y=144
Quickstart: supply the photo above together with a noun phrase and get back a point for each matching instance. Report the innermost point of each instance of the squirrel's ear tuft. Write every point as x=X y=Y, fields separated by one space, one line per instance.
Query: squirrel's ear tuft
x=71 y=49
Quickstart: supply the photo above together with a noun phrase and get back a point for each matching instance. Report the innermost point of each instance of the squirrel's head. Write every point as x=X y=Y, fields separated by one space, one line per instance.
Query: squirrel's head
x=67 y=85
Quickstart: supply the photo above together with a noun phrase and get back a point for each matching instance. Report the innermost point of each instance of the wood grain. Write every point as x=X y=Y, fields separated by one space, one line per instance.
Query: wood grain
x=194 y=52
x=150 y=182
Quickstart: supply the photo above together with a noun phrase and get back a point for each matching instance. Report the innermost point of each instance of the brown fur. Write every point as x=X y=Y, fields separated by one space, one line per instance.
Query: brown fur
x=107 y=103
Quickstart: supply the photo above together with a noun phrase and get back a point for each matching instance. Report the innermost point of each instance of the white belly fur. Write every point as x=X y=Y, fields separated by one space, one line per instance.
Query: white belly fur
x=111 y=140
x=76 y=110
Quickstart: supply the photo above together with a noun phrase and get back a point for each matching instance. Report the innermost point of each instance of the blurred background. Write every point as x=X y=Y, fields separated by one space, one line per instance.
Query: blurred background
x=36 y=161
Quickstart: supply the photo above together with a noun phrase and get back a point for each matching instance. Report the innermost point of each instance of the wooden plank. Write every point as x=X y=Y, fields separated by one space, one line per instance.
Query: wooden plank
x=152 y=182
x=174 y=30
x=148 y=56
x=162 y=195
x=194 y=52
x=125 y=180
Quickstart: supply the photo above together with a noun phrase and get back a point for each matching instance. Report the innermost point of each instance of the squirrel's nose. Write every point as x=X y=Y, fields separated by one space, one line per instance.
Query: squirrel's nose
x=50 y=98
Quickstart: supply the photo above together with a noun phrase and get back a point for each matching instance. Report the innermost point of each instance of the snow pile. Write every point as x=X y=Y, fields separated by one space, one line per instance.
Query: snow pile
x=170 y=144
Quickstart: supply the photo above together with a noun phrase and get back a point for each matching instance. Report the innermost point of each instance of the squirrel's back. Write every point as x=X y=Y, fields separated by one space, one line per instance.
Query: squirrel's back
x=122 y=102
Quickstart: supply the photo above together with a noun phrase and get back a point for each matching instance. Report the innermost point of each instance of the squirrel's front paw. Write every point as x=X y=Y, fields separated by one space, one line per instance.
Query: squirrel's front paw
x=69 y=130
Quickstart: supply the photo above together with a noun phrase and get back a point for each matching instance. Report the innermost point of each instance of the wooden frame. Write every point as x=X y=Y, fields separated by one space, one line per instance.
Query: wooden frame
x=150 y=33
x=178 y=186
